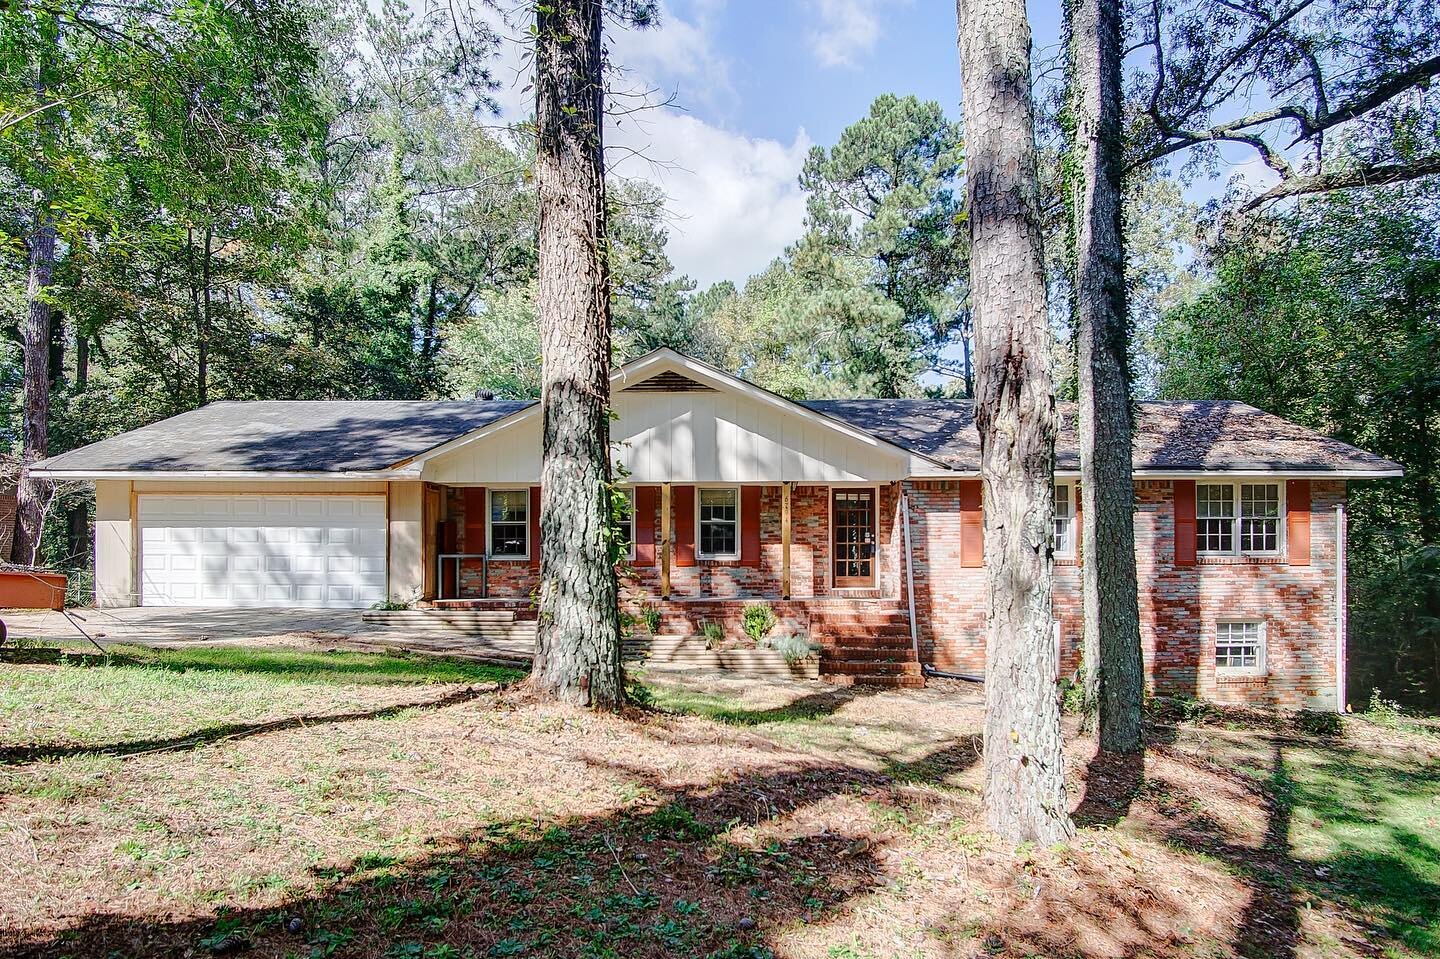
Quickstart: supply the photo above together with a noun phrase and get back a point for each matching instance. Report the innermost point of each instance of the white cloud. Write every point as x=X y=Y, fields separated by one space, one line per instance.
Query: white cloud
x=734 y=200
x=846 y=30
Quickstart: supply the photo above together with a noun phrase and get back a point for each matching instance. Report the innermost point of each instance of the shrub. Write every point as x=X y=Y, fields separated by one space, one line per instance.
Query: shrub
x=1385 y=712
x=712 y=631
x=793 y=647
x=759 y=620
x=650 y=616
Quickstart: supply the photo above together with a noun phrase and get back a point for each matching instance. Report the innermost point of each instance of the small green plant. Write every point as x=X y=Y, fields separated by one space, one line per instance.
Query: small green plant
x=1385 y=712
x=792 y=646
x=650 y=616
x=391 y=604
x=759 y=620
x=1072 y=696
x=712 y=631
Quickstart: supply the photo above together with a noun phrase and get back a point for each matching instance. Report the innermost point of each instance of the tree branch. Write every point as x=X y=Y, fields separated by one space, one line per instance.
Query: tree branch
x=1370 y=174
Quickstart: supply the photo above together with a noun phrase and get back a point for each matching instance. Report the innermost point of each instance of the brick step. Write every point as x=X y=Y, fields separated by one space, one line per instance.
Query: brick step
x=889 y=682
x=911 y=668
x=852 y=619
x=844 y=654
x=861 y=640
x=883 y=632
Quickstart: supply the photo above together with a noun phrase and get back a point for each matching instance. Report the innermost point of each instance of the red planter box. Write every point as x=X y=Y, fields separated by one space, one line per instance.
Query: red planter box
x=31 y=590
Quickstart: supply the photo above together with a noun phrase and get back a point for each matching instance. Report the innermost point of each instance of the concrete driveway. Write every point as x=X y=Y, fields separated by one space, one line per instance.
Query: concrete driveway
x=337 y=628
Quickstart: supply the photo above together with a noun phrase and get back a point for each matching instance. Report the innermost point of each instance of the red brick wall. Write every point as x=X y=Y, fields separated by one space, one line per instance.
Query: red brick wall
x=1179 y=606
x=721 y=579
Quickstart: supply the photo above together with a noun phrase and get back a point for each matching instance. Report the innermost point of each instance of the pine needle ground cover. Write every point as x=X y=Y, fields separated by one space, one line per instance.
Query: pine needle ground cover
x=286 y=802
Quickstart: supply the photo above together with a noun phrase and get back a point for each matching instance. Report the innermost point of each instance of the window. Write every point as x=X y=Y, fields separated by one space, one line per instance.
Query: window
x=1064 y=543
x=1240 y=647
x=1254 y=528
x=625 y=531
x=720 y=523
x=510 y=523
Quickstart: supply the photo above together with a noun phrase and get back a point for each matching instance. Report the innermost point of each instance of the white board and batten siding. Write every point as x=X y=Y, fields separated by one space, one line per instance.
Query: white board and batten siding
x=690 y=437
x=262 y=550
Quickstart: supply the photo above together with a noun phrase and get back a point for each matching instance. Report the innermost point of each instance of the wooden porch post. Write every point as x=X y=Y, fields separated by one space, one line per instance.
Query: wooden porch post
x=665 y=540
x=784 y=540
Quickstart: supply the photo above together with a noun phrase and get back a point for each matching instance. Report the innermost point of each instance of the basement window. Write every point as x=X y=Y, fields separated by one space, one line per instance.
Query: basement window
x=1240 y=648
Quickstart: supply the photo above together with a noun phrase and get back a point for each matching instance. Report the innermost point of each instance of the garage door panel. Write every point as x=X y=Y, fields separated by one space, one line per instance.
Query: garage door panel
x=262 y=550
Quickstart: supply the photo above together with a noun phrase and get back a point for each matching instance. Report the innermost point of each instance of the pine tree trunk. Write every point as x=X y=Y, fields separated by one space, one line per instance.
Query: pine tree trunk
x=577 y=651
x=31 y=493
x=1015 y=413
x=1114 y=676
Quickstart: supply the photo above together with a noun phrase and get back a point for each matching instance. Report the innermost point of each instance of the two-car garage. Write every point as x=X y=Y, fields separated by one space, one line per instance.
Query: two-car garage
x=317 y=550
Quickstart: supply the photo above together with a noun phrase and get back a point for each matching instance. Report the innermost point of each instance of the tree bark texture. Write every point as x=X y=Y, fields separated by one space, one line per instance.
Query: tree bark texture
x=1114 y=677
x=1015 y=412
x=31 y=494
x=577 y=654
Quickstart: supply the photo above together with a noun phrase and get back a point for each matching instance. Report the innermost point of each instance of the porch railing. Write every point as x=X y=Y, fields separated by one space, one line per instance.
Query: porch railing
x=459 y=559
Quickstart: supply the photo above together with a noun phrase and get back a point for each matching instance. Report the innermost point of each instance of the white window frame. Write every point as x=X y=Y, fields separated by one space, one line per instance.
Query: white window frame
x=699 y=528
x=1238 y=516
x=489 y=519
x=629 y=491
x=1072 y=490
x=1262 y=644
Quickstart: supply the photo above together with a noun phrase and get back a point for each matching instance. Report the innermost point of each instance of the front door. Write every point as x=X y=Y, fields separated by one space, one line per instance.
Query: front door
x=853 y=524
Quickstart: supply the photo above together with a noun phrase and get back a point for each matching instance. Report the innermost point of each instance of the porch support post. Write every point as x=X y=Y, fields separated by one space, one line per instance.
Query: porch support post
x=665 y=540
x=784 y=540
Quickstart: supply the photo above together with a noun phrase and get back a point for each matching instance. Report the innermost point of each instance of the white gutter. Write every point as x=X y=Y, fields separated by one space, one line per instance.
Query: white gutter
x=909 y=571
x=1341 y=608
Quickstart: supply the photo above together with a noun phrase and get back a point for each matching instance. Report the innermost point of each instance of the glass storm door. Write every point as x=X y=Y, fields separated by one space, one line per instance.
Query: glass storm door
x=853 y=524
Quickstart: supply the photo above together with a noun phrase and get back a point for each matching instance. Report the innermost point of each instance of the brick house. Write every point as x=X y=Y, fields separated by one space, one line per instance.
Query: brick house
x=858 y=521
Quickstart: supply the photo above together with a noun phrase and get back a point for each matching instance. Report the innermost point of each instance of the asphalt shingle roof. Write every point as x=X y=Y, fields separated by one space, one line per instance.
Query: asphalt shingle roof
x=329 y=436
x=1199 y=435
x=366 y=435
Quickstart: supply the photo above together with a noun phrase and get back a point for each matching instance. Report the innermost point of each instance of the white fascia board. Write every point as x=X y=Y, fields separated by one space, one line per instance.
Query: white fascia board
x=259 y=475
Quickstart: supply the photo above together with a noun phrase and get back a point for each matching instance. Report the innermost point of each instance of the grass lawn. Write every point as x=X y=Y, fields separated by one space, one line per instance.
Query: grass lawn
x=284 y=802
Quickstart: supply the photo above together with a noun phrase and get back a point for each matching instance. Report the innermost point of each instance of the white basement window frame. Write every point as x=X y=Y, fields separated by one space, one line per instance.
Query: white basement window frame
x=1239 y=518
x=717 y=522
x=1063 y=539
x=1240 y=647
x=507 y=523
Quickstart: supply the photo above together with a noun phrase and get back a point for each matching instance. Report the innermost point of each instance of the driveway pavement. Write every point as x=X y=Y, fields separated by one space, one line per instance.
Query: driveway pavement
x=340 y=628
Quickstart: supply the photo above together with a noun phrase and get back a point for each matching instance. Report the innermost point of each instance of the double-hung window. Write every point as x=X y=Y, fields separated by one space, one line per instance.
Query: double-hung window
x=510 y=523
x=719 y=509
x=625 y=528
x=1238 y=518
x=1064 y=540
x=1240 y=647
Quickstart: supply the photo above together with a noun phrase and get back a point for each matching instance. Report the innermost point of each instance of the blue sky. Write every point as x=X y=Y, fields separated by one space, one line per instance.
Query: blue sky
x=755 y=84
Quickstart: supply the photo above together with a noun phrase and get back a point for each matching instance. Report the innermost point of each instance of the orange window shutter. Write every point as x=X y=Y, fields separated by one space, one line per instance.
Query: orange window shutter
x=1184 y=522
x=476 y=506
x=749 y=526
x=684 y=505
x=1297 y=522
x=534 y=526
x=645 y=525
x=972 y=525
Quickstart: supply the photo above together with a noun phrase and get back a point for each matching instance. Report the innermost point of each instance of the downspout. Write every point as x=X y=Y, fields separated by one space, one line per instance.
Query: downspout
x=926 y=669
x=1341 y=608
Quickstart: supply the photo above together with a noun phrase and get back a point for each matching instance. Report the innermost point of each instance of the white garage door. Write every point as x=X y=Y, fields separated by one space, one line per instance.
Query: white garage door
x=262 y=550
